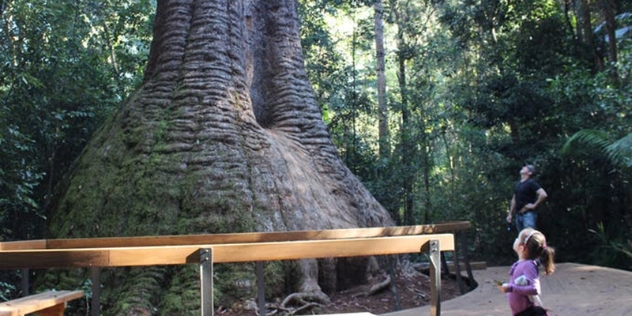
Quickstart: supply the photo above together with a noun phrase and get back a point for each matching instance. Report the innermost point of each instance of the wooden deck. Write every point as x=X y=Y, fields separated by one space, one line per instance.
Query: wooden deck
x=573 y=290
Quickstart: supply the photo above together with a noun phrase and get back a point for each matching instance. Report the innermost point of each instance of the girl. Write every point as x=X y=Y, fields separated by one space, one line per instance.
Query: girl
x=524 y=283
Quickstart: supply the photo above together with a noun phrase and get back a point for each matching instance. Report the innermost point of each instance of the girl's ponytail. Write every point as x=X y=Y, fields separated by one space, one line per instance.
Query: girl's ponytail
x=547 y=257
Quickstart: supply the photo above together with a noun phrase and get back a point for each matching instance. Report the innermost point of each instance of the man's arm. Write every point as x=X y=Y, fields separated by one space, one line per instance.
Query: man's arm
x=512 y=209
x=541 y=197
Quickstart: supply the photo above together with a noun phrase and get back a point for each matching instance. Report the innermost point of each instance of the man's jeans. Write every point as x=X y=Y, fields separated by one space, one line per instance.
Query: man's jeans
x=526 y=219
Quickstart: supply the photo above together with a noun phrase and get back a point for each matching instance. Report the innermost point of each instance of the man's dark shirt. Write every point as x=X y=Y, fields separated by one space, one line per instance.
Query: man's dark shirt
x=525 y=193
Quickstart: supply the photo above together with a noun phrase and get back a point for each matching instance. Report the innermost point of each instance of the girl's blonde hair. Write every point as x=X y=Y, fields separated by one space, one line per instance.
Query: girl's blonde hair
x=535 y=243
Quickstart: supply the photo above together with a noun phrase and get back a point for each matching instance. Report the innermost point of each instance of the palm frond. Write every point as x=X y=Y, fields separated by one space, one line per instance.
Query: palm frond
x=618 y=152
x=584 y=140
x=621 y=150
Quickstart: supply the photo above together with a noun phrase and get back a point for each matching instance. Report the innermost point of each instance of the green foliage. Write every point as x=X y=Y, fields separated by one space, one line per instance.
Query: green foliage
x=5 y=290
x=495 y=84
x=65 y=67
x=606 y=163
x=17 y=177
x=616 y=251
x=619 y=151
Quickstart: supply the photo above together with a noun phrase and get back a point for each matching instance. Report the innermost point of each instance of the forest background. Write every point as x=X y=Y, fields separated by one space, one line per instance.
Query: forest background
x=472 y=90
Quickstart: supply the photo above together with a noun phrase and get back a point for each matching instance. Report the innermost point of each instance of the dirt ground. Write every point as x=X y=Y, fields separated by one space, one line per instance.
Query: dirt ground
x=412 y=290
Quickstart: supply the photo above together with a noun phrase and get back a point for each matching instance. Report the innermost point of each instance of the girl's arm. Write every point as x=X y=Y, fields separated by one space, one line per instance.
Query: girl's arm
x=530 y=284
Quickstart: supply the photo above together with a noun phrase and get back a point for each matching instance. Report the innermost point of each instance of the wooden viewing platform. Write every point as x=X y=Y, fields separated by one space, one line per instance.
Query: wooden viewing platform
x=573 y=290
x=206 y=250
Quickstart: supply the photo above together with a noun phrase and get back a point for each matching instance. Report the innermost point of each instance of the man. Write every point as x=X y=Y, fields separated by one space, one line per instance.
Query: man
x=528 y=195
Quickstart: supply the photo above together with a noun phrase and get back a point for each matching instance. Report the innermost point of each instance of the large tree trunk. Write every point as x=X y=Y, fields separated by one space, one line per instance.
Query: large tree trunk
x=224 y=135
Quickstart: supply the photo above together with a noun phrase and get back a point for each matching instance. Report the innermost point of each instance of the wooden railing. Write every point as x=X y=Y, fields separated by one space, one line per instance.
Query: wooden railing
x=206 y=250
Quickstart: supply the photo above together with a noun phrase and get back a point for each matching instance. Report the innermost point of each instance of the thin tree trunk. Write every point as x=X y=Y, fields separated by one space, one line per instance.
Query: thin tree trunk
x=608 y=8
x=587 y=34
x=381 y=81
x=407 y=147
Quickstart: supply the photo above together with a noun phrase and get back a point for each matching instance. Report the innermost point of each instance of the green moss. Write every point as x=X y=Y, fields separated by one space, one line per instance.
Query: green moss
x=182 y=295
x=233 y=282
x=139 y=290
x=275 y=276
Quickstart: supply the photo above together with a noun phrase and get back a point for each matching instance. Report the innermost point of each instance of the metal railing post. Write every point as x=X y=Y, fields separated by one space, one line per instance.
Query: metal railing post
x=95 y=275
x=457 y=265
x=25 y=282
x=206 y=282
x=261 y=299
x=432 y=247
x=462 y=236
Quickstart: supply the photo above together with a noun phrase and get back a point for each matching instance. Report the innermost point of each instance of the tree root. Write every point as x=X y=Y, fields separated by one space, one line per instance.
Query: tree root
x=305 y=300
x=380 y=286
x=375 y=288
x=300 y=302
x=303 y=297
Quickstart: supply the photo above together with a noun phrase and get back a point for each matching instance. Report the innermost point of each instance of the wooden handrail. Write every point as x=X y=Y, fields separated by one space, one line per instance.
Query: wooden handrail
x=205 y=239
x=222 y=253
x=26 y=244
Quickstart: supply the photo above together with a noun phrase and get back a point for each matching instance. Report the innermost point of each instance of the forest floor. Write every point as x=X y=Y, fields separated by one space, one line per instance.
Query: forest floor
x=412 y=290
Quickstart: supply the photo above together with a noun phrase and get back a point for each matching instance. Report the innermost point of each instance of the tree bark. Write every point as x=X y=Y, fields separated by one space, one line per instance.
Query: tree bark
x=608 y=7
x=224 y=135
x=587 y=34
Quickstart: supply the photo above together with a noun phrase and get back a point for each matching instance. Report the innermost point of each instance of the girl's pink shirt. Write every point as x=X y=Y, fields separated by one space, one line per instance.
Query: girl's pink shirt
x=518 y=295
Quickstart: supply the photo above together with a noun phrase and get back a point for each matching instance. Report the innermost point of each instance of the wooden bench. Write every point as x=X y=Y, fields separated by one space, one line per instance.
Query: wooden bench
x=51 y=303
